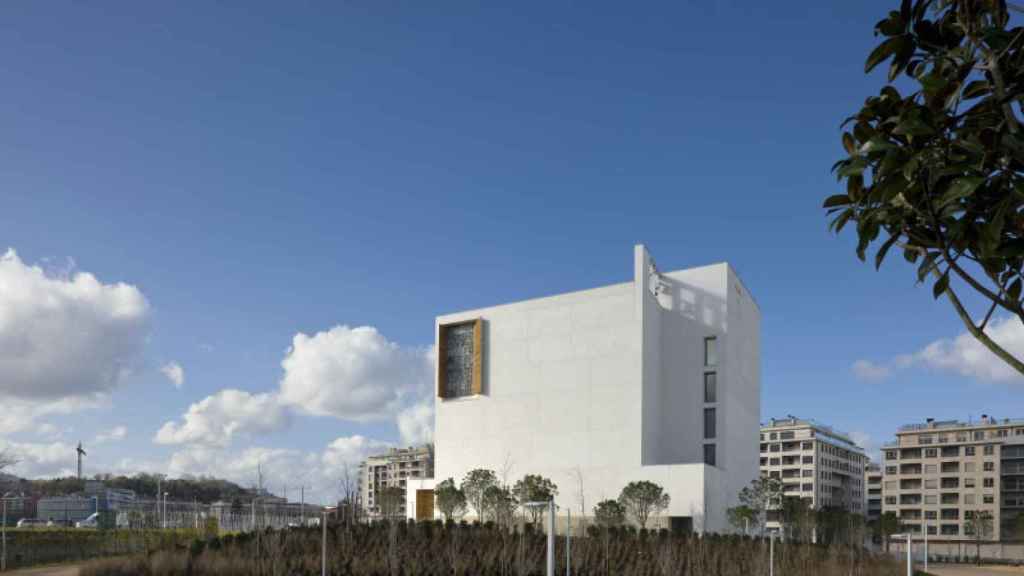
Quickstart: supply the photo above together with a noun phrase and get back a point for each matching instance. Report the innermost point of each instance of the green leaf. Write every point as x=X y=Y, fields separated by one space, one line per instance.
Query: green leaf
x=975 y=89
x=940 y=285
x=876 y=144
x=837 y=225
x=883 y=51
x=849 y=144
x=892 y=26
x=960 y=188
x=854 y=187
x=852 y=167
x=880 y=255
x=913 y=125
x=926 y=266
x=910 y=255
x=836 y=200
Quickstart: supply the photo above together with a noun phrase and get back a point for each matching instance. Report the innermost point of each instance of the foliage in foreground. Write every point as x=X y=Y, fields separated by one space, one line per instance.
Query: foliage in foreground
x=935 y=161
x=435 y=549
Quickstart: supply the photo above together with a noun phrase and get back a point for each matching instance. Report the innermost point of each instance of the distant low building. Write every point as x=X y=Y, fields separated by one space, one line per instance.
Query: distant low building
x=66 y=510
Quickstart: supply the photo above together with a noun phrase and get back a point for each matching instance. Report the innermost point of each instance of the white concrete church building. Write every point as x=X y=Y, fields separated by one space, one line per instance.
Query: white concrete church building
x=654 y=379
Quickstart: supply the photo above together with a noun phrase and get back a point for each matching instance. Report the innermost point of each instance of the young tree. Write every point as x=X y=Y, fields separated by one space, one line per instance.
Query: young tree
x=7 y=459
x=389 y=501
x=474 y=485
x=741 y=518
x=500 y=505
x=887 y=525
x=609 y=514
x=643 y=499
x=450 y=500
x=938 y=171
x=534 y=488
x=979 y=527
x=763 y=494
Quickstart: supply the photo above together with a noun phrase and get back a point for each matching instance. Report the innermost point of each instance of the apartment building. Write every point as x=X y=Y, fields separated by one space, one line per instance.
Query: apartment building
x=938 y=473
x=393 y=469
x=656 y=378
x=873 y=479
x=814 y=462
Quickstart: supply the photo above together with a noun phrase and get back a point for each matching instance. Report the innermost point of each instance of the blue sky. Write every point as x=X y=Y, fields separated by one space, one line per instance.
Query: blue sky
x=258 y=170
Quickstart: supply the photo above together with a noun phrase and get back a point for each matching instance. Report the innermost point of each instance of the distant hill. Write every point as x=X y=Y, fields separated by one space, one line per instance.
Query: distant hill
x=203 y=489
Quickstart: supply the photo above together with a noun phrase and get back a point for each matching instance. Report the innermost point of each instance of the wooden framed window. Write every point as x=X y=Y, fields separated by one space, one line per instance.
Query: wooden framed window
x=460 y=359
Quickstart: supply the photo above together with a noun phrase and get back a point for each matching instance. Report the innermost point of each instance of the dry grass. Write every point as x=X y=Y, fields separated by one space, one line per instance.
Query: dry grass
x=431 y=549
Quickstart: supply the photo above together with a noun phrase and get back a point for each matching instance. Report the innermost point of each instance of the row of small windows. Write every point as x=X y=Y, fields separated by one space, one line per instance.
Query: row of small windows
x=964 y=437
x=947 y=452
x=710 y=397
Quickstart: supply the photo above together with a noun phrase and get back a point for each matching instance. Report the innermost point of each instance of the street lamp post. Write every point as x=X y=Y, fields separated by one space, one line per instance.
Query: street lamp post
x=163 y=513
x=323 y=548
x=550 y=504
x=910 y=561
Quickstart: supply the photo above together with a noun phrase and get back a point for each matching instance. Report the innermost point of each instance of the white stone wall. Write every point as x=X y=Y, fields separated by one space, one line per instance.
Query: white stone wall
x=598 y=388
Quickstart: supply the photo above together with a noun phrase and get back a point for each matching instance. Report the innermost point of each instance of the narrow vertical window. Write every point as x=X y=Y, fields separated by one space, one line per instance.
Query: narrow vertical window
x=710 y=387
x=711 y=351
x=709 y=454
x=709 y=422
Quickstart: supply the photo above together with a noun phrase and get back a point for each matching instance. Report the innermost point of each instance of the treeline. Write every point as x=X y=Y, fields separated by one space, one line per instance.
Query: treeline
x=460 y=549
x=204 y=489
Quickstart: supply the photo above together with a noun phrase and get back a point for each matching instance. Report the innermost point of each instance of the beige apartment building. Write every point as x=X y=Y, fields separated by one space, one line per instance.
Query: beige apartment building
x=873 y=480
x=938 y=473
x=393 y=469
x=814 y=462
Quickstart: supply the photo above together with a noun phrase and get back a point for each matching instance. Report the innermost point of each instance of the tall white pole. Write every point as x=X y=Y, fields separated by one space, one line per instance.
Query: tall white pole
x=771 y=554
x=926 y=546
x=568 y=542
x=551 y=538
x=910 y=563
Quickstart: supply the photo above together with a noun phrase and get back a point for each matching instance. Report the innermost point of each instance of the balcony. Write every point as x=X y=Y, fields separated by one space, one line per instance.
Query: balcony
x=950 y=467
x=910 y=484
x=911 y=514
x=910 y=499
x=950 y=451
x=949 y=530
x=951 y=498
x=910 y=454
x=950 y=483
x=910 y=469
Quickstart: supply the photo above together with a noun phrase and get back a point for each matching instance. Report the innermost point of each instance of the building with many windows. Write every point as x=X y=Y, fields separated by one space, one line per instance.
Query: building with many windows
x=814 y=462
x=392 y=470
x=873 y=491
x=938 y=474
x=655 y=379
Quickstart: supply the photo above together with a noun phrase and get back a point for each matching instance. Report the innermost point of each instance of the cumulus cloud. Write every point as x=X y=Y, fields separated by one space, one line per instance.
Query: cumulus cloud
x=320 y=472
x=416 y=423
x=217 y=419
x=351 y=373
x=21 y=414
x=113 y=435
x=66 y=336
x=41 y=460
x=175 y=373
x=962 y=355
x=870 y=372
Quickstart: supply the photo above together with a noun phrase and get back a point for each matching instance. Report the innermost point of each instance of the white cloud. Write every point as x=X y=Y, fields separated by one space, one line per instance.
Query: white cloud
x=175 y=373
x=865 y=441
x=63 y=337
x=416 y=423
x=113 y=435
x=42 y=460
x=869 y=371
x=352 y=374
x=963 y=355
x=20 y=414
x=217 y=419
x=320 y=472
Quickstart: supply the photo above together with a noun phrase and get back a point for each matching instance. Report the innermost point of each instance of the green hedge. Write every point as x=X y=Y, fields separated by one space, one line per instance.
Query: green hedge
x=30 y=547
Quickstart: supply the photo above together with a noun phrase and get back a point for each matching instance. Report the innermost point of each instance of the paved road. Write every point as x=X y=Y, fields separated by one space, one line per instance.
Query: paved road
x=971 y=570
x=66 y=570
